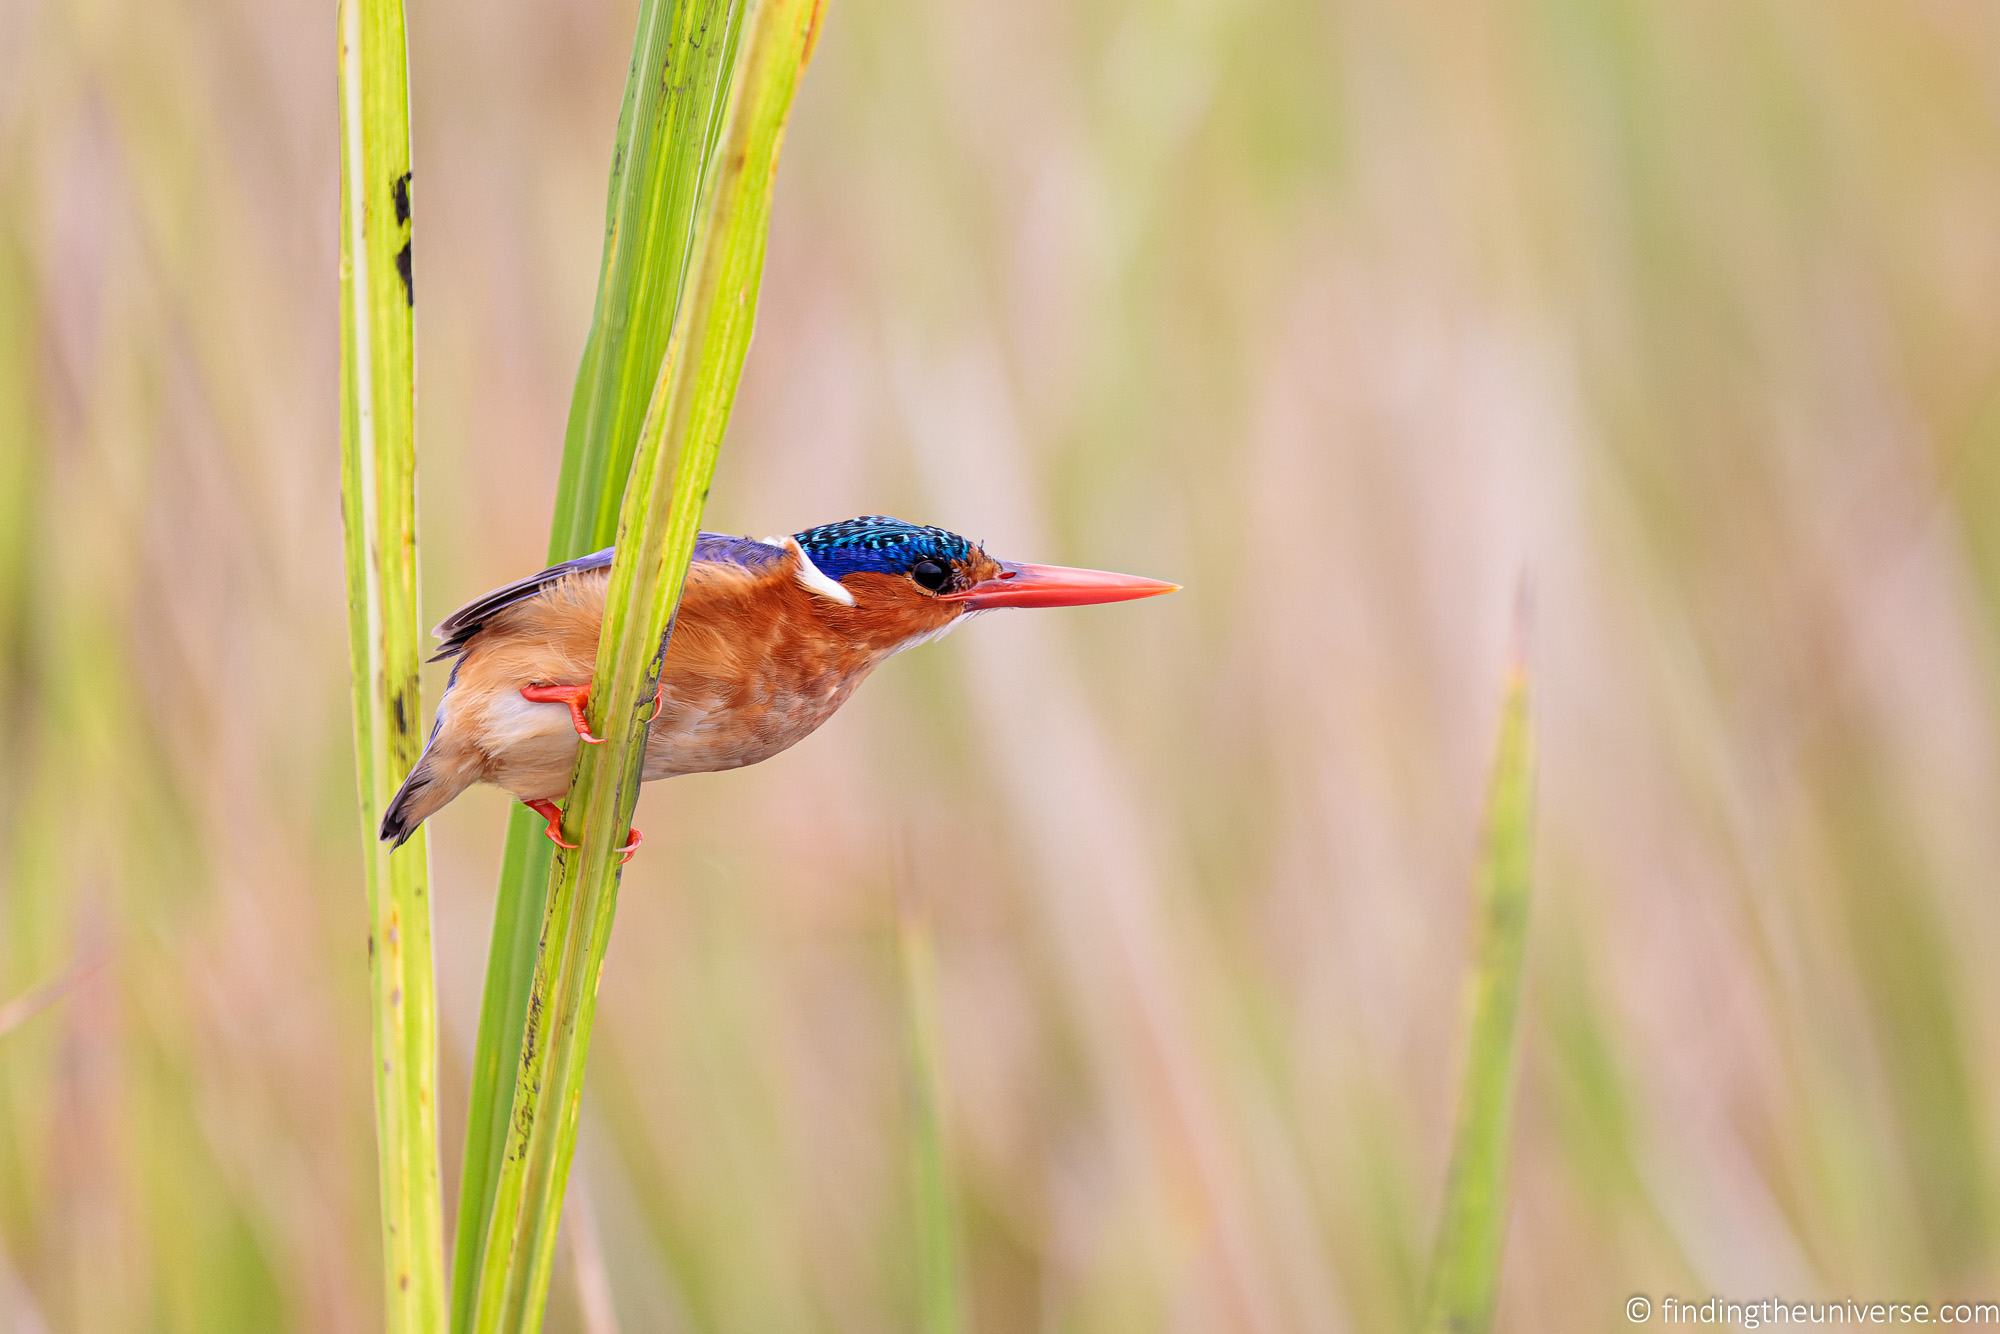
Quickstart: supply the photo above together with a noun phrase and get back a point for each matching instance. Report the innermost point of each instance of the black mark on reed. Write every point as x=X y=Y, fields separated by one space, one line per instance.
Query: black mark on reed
x=403 y=272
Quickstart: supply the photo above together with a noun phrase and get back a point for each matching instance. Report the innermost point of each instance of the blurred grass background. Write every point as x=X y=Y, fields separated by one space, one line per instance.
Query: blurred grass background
x=1340 y=313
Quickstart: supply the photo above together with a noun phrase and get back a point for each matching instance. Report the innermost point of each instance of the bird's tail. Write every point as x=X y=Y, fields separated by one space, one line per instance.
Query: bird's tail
x=422 y=794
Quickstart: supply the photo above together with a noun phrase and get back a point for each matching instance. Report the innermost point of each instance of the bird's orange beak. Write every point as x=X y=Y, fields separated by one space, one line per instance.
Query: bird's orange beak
x=1055 y=586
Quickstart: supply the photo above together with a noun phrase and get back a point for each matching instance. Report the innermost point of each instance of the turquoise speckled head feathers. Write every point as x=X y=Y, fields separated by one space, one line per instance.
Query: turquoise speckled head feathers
x=880 y=544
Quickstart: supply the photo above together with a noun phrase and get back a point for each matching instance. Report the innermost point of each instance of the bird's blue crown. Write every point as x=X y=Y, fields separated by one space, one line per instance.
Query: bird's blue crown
x=876 y=542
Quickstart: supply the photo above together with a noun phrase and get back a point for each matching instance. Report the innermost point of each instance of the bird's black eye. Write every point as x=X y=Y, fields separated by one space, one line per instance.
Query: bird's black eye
x=931 y=575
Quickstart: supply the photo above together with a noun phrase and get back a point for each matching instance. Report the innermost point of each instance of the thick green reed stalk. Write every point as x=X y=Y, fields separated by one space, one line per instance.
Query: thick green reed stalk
x=675 y=459
x=378 y=502
x=1465 y=1267
x=682 y=56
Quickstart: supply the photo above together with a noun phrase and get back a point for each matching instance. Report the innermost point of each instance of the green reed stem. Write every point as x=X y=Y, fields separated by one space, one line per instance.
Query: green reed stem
x=677 y=448
x=1465 y=1268
x=682 y=56
x=940 y=1252
x=378 y=503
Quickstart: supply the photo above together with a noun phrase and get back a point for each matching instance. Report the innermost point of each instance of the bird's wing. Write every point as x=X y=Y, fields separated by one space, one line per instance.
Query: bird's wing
x=455 y=631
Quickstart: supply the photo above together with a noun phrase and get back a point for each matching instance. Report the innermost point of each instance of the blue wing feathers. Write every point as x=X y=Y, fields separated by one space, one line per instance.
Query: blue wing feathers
x=455 y=631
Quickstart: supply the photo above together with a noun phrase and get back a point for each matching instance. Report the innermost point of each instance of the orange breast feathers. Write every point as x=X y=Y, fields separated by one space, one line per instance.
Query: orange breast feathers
x=756 y=663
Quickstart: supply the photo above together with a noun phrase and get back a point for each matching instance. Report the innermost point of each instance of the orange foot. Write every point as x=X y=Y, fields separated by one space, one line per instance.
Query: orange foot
x=548 y=811
x=574 y=696
x=577 y=697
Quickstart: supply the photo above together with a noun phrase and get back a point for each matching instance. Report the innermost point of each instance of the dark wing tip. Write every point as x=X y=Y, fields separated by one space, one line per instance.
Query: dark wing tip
x=455 y=631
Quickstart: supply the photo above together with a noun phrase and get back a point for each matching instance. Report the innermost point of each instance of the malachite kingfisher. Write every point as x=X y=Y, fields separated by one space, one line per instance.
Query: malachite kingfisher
x=770 y=638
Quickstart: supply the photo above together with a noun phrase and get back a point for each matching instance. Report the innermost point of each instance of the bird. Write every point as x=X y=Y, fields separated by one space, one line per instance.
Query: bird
x=771 y=637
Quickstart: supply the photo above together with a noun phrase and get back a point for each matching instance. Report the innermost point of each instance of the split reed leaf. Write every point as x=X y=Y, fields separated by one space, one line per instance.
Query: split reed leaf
x=378 y=504
x=1465 y=1267
x=678 y=443
x=682 y=57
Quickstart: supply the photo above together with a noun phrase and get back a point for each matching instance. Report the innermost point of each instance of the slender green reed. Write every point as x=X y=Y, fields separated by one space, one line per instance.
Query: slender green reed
x=678 y=443
x=940 y=1259
x=378 y=503
x=682 y=56
x=1465 y=1266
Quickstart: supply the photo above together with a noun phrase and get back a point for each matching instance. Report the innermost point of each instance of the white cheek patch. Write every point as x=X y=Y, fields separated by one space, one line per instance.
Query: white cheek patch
x=813 y=577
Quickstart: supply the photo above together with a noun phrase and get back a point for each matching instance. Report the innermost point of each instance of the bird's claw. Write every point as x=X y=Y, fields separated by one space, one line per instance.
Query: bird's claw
x=577 y=697
x=574 y=696
x=549 y=811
